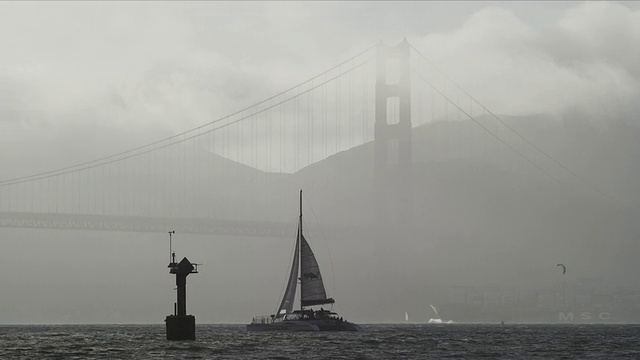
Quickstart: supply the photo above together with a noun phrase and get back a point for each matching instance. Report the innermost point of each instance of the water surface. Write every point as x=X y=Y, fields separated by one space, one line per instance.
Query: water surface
x=442 y=341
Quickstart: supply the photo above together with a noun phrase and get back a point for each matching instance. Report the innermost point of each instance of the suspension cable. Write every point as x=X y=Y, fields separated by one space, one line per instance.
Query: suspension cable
x=84 y=165
x=136 y=151
x=547 y=155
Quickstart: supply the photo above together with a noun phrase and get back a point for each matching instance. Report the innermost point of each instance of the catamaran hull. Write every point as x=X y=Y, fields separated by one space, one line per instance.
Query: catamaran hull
x=310 y=325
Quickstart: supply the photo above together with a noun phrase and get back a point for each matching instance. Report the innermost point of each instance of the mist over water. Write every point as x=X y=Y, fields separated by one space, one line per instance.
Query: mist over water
x=473 y=225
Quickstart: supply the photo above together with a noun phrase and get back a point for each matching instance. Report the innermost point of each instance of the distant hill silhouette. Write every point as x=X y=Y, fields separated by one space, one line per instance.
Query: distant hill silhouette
x=481 y=213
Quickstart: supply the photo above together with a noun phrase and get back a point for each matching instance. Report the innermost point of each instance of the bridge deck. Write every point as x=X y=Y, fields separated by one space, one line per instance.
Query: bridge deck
x=158 y=224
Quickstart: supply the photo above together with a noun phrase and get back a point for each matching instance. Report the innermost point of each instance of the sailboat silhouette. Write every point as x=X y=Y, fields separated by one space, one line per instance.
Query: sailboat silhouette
x=304 y=268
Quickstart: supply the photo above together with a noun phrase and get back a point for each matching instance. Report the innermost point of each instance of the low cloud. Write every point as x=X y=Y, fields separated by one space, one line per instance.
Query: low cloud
x=169 y=67
x=585 y=61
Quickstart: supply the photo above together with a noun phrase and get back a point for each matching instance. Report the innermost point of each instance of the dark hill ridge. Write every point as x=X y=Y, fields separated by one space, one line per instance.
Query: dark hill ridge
x=477 y=212
x=459 y=169
x=461 y=158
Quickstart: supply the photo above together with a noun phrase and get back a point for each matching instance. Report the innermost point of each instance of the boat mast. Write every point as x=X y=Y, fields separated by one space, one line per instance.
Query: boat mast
x=300 y=248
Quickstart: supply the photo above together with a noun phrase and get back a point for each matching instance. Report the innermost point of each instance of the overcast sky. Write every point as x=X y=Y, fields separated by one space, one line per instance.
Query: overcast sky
x=71 y=71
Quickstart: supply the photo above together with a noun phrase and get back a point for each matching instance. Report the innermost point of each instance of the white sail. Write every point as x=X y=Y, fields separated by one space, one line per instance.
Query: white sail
x=406 y=316
x=435 y=310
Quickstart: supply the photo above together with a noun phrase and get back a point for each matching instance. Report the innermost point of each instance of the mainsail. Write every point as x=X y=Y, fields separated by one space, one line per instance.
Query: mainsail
x=286 y=306
x=311 y=285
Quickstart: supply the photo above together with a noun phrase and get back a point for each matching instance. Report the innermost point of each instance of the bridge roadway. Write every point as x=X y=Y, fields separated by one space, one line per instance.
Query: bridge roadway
x=30 y=220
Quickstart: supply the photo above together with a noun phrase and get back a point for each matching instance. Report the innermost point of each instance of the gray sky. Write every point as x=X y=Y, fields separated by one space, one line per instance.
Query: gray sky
x=144 y=70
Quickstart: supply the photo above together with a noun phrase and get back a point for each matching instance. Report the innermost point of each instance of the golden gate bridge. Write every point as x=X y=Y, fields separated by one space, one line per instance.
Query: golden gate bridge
x=234 y=175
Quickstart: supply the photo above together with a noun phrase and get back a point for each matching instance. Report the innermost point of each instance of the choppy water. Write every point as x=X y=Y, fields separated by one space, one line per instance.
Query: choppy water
x=376 y=342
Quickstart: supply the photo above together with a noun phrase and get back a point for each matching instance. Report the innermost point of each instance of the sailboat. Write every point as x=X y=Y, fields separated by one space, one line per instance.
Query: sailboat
x=304 y=268
x=438 y=319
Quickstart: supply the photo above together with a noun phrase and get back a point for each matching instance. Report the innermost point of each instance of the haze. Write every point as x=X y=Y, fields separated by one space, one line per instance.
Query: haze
x=81 y=81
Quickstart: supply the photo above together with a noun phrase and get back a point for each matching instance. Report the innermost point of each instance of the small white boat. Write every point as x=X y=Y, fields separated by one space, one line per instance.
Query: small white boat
x=438 y=319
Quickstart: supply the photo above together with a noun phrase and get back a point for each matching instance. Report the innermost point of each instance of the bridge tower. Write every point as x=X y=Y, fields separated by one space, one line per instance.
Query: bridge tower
x=392 y=137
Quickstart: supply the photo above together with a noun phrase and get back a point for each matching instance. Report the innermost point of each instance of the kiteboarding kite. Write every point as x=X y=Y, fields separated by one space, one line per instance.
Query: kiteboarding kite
x=564 y=268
